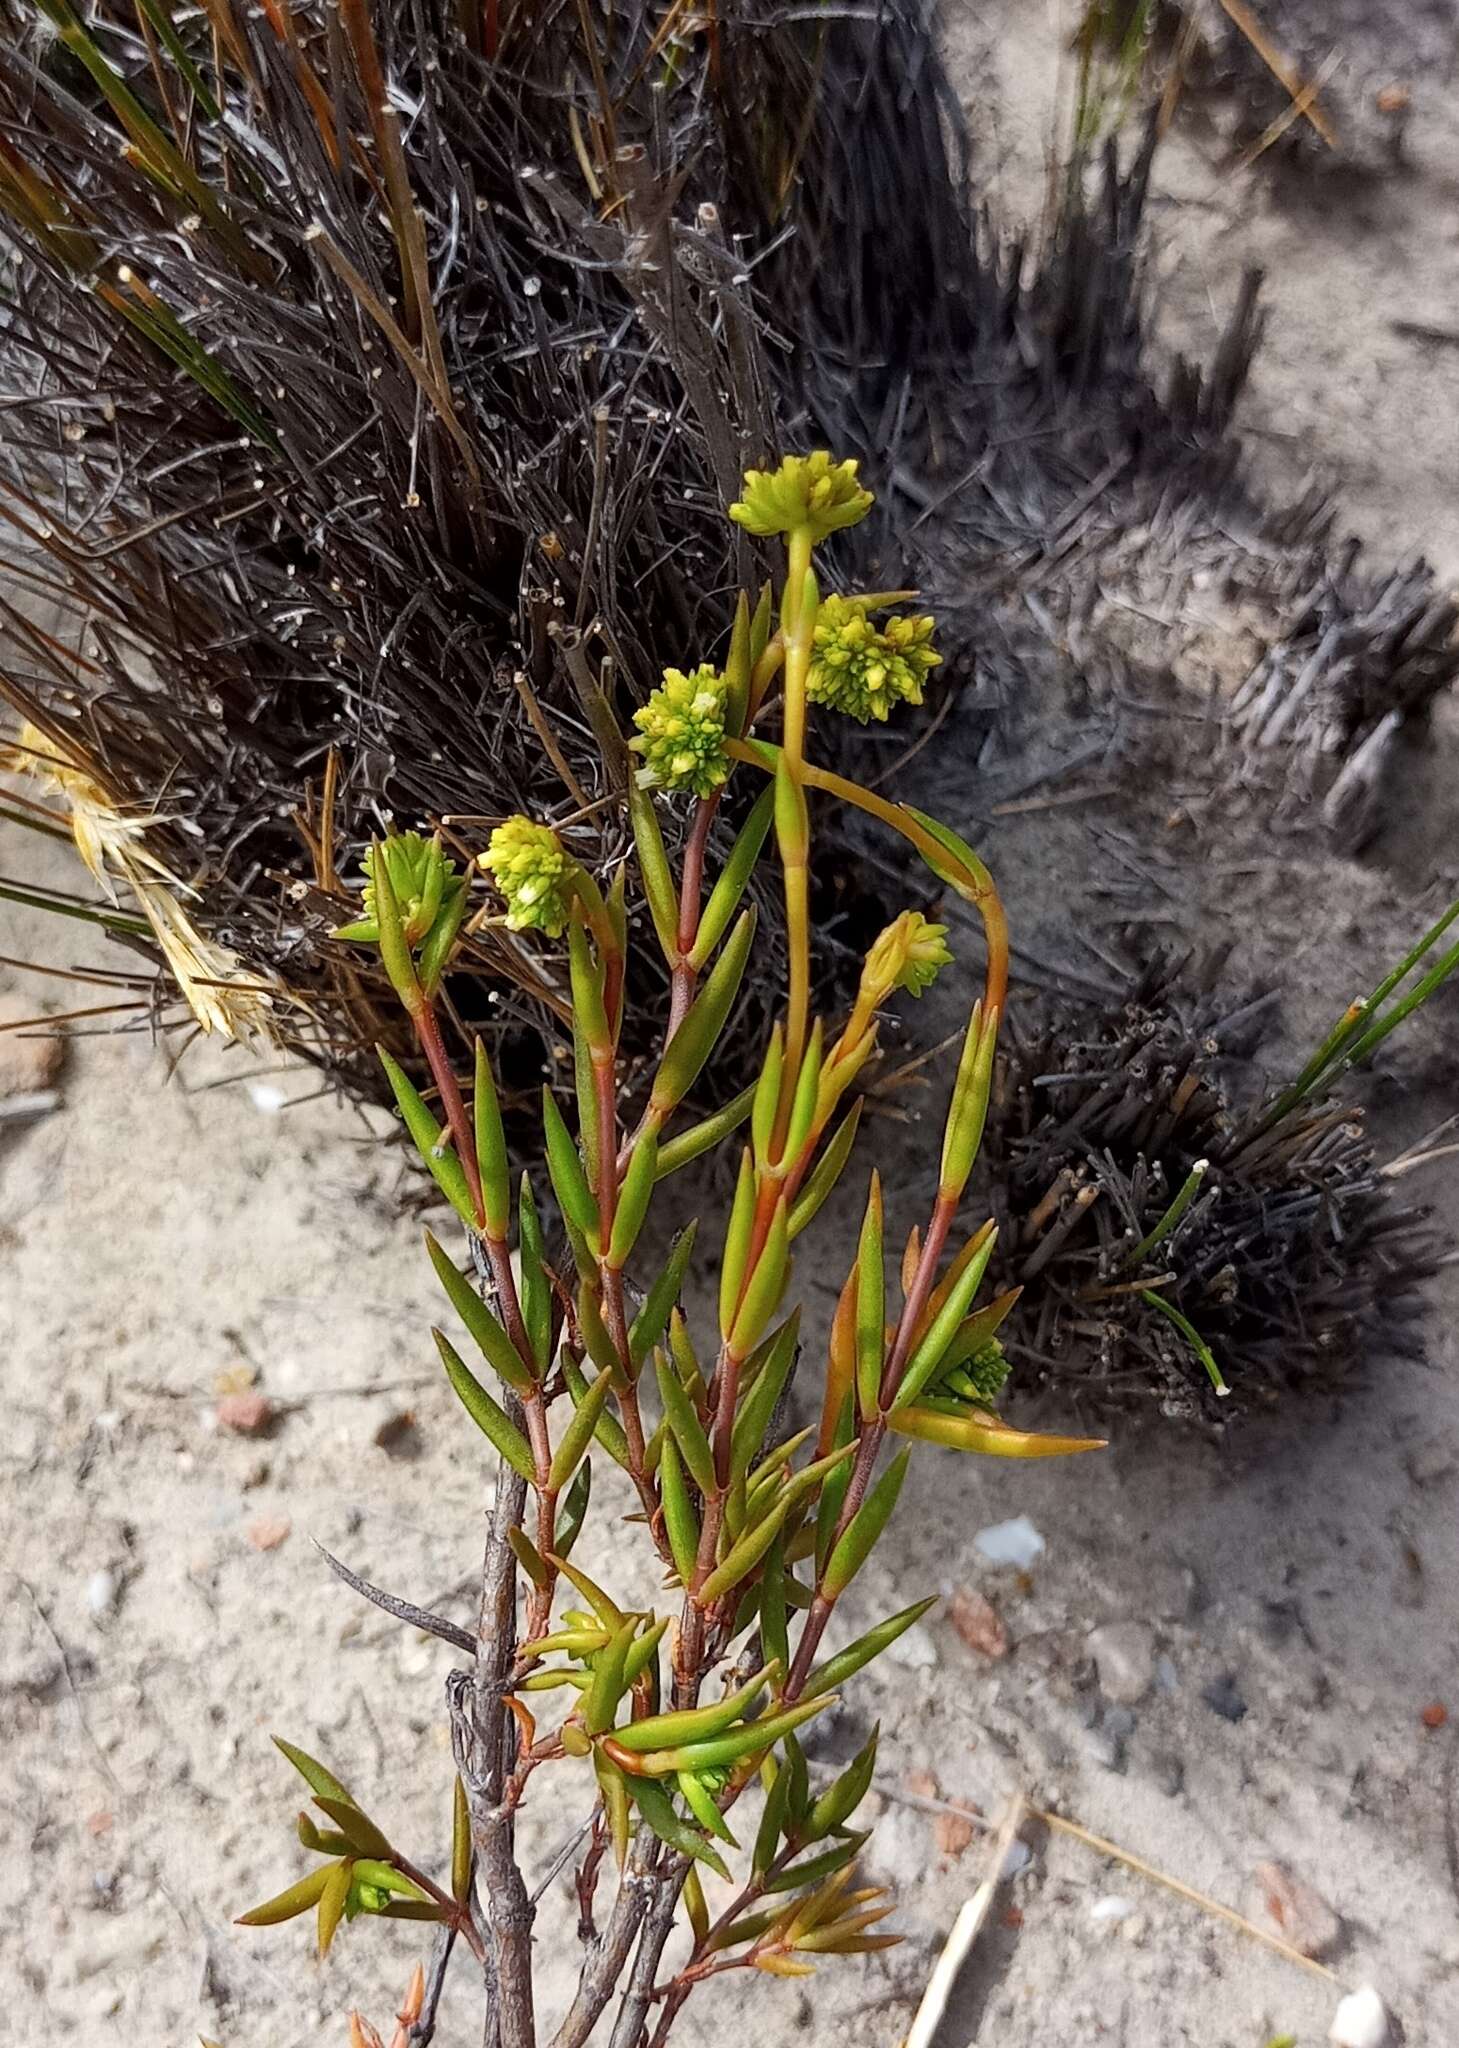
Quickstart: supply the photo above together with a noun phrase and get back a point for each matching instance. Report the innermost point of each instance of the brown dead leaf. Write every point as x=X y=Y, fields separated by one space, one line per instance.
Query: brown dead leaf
x=978 y=1623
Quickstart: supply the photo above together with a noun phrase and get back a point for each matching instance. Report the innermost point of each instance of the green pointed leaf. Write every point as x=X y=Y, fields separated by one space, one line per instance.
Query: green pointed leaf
x=530 y=1558
x=332 y=1902
x=364 y=1836
x=807 y=1094
x=491 y=1148
x=705 y=1019
x=634 y=1196
x=866 y=1525
x=980 y=1430
x=743 y=1557
x=695 y=1908
x=654 y=870
x=440 y=941
x=609 y=1613
x=323 y=1841
x=643 y=1653
x=578 y=1434
x=680 y=1520
x=767 y=1098
x=739 y=664
x=871 y=1314
x=314 y=1773
x=772 y=1823
x=967 y=1112
x=734 y=879
x=688 y=1431
x=386 y=1878
x=574 y=1511
x=613 y=1789
x=700 y=1802
x=609 y=1430
x=432 y=1144
x=411 y=1909
x=774 y=1632
x=799 y=1804
x=533 y=1286
x=703 y=1137
x=394 y=949
x=751 y=1738
x=963 y=870
x=585 y=1083
x=695 y=1724
x=764 y=1287
x=600 y=1701
x=488 y=1415
x=288 y=1905
x=569 y=1182
x=594 y=1331
x=737 y=1235
x=461 y=1851
x=757 y=1407
x=652 y=1319
x=932 y=1349
x=833 y=1492
x=491 y=1340
x=812 y=1870
x=977 y=1330
x=840 y=1800
x=856 y=1656
x=586 y=975
x=657 y=1809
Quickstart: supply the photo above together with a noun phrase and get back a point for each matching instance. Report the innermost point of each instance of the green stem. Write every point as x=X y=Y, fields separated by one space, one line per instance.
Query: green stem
x=1192 y=1337
x=1189 y=1189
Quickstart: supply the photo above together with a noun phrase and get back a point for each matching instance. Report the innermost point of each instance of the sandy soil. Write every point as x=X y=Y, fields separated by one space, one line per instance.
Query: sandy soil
x=1285 y=1606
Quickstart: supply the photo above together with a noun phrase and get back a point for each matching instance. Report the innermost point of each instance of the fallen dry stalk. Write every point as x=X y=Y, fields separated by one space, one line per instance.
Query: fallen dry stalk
x=973 y=1916
x=1280 y=66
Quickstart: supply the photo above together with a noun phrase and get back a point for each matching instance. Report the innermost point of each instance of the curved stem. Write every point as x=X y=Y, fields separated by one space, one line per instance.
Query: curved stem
x=975 y=885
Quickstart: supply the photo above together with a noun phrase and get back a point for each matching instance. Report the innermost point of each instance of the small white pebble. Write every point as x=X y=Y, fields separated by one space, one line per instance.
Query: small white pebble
x=266 y=1098
x=1361 y=2021
x=1111 y=1908
x=1017 y=1542
x=101 y=1592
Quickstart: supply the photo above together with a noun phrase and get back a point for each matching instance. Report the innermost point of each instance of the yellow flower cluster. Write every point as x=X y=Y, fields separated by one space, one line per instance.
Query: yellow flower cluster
x=681 y=732
x=806 y=491
x=533 y=871
x=864 y=669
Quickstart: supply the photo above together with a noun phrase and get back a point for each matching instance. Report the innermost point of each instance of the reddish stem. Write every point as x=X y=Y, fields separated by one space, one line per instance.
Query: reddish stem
x=923 y=1280
x=691 y=890
x=428 y=1031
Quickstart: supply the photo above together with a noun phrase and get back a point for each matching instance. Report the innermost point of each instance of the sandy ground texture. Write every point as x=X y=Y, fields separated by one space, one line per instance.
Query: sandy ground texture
x=1223 y=1656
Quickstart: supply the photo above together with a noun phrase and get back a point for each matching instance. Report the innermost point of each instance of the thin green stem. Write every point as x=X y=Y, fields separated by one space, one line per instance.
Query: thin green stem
x=1191 y=1335
x=1189 y=1189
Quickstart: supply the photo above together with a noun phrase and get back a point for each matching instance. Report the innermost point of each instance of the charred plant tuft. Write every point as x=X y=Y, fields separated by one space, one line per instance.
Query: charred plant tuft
x=596 y=1389
x=1173 y=1245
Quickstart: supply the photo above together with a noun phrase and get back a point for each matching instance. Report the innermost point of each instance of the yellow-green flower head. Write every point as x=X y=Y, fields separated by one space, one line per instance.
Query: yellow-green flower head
x=864 y=669
x=534 y=872
x=909 y=955
x=681 y=732
x=806 y=490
